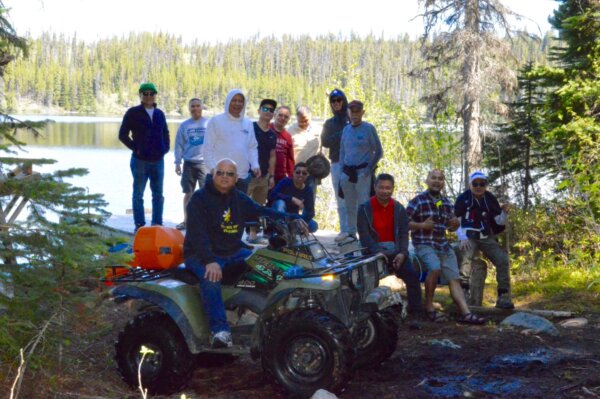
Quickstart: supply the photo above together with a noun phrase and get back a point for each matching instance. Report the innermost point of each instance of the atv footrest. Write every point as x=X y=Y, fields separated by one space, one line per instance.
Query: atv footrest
x=234 y=350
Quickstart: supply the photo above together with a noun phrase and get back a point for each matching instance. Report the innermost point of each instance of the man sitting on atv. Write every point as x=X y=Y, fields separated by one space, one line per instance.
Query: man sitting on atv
x=217 y=215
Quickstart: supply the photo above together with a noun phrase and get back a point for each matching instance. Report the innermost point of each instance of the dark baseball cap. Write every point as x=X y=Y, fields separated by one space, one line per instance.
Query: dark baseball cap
x=355 y=105
x=268 y=101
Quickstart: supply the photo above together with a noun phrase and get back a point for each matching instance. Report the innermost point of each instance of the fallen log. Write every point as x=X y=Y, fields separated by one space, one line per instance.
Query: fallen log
x=539 y=312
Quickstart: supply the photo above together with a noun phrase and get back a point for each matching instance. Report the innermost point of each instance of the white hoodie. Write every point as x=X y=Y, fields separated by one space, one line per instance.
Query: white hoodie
x=233 y=138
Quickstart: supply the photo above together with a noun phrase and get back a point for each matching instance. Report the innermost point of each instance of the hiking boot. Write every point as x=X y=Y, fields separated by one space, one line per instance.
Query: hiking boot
x=222 y=339
x=341 y=237
x=504 y=302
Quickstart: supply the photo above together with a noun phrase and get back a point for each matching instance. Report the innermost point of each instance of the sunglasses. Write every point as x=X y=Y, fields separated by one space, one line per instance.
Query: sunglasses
x=222 y=173
x=149 y=93
x=267 y=109
x=336 y=100
x=475 y=184
x=301 y=172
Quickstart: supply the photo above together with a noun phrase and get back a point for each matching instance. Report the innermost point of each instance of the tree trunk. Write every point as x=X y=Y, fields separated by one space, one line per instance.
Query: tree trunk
x=470 y=75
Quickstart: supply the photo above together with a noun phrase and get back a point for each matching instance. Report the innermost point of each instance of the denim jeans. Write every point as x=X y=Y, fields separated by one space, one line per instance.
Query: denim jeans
x=210 y=292
x=141 y=172
x=336 y=172
x=280 y=206
x=354 y=195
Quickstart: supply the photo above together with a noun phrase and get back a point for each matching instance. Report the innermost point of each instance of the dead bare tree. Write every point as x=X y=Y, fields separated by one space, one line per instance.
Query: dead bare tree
x=466 y=64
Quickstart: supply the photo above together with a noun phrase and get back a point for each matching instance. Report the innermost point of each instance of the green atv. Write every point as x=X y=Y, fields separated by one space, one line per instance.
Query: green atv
x=311 y=318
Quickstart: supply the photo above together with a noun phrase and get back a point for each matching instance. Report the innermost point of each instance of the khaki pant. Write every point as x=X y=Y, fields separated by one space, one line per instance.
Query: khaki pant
x=259 y=189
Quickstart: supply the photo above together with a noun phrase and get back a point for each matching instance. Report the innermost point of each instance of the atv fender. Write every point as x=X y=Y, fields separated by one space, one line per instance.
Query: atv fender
x=180 y=301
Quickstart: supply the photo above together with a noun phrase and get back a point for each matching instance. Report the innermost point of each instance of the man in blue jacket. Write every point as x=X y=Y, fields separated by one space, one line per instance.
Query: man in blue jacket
x=144 y=131
x=216 y=219
x=294 y=195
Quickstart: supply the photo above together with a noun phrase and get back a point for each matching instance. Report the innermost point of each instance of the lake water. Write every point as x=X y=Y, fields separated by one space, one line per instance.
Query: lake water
x=92 y=143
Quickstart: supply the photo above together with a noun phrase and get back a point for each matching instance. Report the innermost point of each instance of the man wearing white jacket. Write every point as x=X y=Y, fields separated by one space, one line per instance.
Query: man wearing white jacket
x=231 y=135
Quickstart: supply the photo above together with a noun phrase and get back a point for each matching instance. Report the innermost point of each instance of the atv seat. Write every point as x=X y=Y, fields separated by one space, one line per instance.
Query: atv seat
x=232 y=273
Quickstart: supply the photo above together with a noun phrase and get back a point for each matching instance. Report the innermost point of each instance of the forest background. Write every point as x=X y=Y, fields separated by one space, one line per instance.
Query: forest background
x=539 y=144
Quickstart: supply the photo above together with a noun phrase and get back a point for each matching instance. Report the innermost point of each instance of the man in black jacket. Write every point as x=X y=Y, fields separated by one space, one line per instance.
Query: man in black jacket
x=383 y=227
x=331 y=137
x=216 y=219
x=149 y=142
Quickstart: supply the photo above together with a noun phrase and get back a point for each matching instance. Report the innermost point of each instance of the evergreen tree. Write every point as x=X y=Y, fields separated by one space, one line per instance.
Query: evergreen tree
x=48 y=252
x=517 y=147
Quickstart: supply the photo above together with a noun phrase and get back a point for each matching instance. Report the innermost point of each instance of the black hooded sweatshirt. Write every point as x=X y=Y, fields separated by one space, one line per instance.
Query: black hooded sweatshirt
x=331 y=135
x=216 y=221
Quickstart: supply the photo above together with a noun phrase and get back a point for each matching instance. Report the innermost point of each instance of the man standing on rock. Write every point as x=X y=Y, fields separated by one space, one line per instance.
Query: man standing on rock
x=144 y=131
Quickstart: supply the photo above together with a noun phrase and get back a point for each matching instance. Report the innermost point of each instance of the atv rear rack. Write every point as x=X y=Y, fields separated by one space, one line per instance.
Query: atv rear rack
x=125 y=274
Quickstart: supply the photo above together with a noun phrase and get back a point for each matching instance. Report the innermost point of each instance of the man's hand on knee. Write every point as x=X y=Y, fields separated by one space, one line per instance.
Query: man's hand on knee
x=213 y=272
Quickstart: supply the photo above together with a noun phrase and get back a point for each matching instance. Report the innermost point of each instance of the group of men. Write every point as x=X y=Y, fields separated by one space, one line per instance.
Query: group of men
x=477 y=217
x=263 y=151
x=229 y=156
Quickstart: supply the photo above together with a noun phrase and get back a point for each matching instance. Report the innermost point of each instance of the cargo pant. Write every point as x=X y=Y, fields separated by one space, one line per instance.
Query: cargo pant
x=491 y=249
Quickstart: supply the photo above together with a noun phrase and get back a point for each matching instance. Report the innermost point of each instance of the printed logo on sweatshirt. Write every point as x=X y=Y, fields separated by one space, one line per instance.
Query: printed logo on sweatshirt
x=196 y=136
x=227 y=225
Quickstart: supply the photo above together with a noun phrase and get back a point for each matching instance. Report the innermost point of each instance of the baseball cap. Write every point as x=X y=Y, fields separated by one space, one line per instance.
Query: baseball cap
x=477 y=175
x=355 y=105
x=268 y=101
x=147 y=87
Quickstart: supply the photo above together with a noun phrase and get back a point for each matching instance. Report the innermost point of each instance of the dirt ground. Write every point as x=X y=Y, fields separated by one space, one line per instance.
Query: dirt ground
x=436 y=360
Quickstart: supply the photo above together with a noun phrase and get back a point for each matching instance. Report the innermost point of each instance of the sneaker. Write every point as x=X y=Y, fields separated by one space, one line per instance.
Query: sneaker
x=222 y=339
x=180 y=226
x=347 y=240
x=341 y=237
x=504 y=302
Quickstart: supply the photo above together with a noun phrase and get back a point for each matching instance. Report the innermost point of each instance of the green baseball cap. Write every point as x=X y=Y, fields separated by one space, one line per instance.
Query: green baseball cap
x=148 y=87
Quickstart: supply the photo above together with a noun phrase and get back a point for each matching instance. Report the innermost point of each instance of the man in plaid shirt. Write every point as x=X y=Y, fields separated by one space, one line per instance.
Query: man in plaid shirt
x=430 y=215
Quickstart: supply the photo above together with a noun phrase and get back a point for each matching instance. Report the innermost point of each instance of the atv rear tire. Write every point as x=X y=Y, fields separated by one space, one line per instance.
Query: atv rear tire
x=165 y=371
x=376 y=340
x=308 y=349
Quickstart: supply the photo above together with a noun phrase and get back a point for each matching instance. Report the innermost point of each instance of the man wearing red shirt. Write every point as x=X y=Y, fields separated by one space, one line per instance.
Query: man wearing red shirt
x=284 y=151
x=383 y=227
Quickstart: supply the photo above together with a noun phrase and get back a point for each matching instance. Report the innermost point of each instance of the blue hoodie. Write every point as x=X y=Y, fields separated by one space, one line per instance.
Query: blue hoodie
x=331 y=134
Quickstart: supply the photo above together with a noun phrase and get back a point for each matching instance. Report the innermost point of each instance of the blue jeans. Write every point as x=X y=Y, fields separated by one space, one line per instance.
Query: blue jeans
x=141 y=172
x=210 y=292
x=336 y=172
x=280 y=206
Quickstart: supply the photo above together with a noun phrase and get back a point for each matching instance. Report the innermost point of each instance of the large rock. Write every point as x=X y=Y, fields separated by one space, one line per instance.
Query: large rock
x=323 y=394
x=531 y=322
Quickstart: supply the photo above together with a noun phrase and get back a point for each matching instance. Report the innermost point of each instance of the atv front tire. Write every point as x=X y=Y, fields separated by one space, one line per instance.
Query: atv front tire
x=376 y=339
x=308 y=349
x=167 y=369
